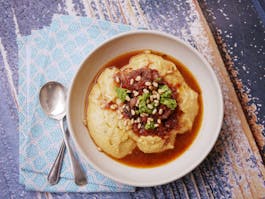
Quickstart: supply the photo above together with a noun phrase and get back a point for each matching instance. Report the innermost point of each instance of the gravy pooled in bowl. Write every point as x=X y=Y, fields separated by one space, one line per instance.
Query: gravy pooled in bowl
x=143 y=109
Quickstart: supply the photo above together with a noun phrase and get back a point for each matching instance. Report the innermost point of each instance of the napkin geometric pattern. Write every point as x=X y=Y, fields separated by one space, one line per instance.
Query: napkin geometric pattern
x=54 y=54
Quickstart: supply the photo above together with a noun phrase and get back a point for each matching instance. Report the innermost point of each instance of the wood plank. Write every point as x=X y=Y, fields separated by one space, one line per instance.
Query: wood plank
x=256 y=189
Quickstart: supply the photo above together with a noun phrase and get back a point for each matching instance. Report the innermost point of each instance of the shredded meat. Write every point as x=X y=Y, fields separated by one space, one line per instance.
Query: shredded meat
x=168 y=117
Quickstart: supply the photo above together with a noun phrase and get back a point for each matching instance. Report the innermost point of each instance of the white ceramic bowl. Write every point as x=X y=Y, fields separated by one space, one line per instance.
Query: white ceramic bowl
x=212 y=103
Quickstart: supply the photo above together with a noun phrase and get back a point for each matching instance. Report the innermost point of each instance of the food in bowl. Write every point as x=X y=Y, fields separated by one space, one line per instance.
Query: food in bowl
x=190 y=148
x=144 y=108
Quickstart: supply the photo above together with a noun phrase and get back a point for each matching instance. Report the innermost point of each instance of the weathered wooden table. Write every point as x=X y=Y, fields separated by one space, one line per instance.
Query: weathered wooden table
x=230 y=34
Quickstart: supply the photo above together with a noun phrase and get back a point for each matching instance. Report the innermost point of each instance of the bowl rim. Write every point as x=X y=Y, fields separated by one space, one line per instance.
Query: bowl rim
x=203 y=155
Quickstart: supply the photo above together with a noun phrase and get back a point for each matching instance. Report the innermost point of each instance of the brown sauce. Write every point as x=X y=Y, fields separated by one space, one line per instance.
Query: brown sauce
x=183 y=141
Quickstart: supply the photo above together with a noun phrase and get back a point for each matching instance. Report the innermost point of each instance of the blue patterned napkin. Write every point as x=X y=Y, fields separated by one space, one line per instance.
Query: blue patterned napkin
x=54 y=53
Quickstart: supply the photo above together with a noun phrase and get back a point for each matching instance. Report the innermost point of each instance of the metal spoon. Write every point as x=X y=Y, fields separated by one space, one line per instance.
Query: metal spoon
x=52 y=98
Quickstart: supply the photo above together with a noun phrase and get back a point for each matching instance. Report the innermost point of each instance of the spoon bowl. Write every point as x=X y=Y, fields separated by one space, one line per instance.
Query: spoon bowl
x=53 y=100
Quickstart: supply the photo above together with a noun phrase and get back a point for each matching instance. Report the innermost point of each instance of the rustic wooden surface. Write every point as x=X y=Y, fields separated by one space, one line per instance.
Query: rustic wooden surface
x=241 y=39
x=234 y=168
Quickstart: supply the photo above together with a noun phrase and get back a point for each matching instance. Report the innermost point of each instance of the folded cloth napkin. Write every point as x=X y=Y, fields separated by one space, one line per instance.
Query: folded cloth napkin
x=54 y=53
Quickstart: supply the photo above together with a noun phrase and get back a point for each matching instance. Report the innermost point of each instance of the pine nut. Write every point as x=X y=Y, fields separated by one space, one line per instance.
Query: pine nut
x=143 y=114
x=160 y=91
x=150 y=106
x=150 y=119
x=155 y=84
x=137 y=103
x=138 y=78
x=127 y=98
x=117 y=79
x=135 y=93
x=113 y=106
x=147 y=83
x=145 y=90
x=131 y=81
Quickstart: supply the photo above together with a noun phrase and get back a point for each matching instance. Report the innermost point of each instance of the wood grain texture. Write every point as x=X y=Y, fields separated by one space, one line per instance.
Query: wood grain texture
x=243 y=56
x=256 y=188
x=233 y=169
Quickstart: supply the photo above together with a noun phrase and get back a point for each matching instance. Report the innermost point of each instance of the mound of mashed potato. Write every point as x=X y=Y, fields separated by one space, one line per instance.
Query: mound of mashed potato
x=118 y=121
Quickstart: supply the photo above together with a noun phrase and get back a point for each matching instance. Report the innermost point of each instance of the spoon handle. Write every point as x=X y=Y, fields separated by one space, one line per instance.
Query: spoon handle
x=79 y=175
x=55 y=171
